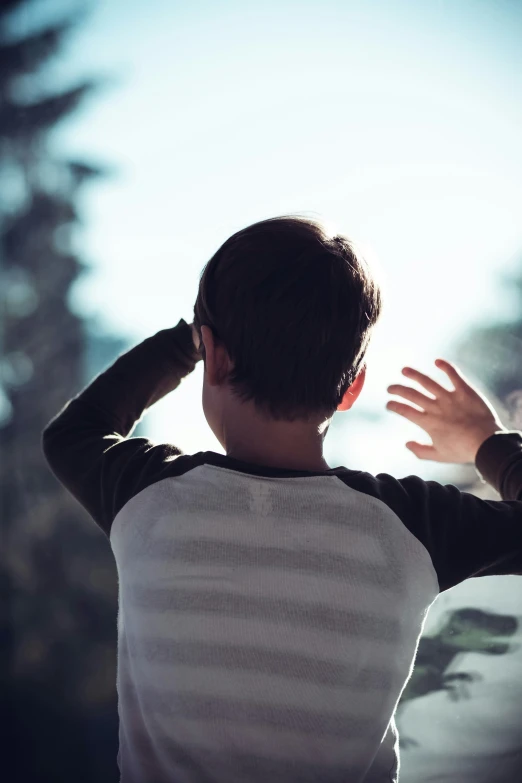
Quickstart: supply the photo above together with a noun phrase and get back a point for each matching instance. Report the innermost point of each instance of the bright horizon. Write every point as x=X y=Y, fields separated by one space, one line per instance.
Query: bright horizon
x=397 y=123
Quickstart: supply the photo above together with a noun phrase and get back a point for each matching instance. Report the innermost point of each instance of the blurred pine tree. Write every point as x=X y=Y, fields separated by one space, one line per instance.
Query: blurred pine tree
x=58 y=629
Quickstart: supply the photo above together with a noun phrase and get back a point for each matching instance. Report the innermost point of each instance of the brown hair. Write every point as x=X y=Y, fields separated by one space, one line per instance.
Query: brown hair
x=294 y=308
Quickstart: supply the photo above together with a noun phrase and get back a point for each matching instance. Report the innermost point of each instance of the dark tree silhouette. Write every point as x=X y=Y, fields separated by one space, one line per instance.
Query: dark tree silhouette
x=58 y=630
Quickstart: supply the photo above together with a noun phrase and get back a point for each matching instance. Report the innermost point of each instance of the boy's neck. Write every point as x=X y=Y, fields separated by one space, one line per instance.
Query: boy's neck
x=290 y=462
x=278 y=444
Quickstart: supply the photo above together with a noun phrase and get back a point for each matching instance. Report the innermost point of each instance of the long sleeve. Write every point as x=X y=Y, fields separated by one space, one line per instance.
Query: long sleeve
x=466 y=536
x=86 y=443
x=499 y=461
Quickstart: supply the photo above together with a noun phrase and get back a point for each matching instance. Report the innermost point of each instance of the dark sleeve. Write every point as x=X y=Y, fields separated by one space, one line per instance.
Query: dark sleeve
x=86 y=443
x=467 y=536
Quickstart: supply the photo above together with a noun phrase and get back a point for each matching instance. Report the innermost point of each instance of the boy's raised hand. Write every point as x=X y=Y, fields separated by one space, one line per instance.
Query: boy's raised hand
x=457 y=421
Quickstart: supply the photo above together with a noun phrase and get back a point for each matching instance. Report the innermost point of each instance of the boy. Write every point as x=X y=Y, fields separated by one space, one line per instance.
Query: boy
x=270 y=606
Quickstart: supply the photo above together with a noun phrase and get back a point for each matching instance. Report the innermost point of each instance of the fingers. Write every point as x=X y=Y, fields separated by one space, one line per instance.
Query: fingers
x=429 y=384
x=411 y=394
x=422 y=451
x=452 y=372
x=412 y=414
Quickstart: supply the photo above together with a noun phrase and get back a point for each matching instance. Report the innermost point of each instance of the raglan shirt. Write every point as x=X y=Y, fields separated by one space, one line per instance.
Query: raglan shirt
x=268 y=618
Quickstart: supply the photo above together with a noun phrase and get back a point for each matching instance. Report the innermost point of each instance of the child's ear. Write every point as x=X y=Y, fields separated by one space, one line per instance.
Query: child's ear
x=353 y=391
x=217 y=362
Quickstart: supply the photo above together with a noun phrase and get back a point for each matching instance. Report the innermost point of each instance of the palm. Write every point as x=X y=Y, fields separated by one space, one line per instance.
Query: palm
x=457 y=421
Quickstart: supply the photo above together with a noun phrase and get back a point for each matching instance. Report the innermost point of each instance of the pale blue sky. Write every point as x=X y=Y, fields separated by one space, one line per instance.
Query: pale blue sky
x=399 y=122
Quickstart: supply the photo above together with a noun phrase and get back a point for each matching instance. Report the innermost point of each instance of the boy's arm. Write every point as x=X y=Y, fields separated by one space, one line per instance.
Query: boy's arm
x=499 y=462
x=86 y=443
x=465 y=535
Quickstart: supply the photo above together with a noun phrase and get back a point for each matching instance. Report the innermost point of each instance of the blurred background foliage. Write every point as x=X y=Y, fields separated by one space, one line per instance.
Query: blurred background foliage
x=58 y=627
x=58 y=630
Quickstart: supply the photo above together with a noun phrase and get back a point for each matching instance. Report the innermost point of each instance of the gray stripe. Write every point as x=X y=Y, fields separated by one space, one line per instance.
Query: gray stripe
x=247 y=768
x=196 y=764
x=209 y=709
x=276 y=610
x=207 y=551
x=295 y=666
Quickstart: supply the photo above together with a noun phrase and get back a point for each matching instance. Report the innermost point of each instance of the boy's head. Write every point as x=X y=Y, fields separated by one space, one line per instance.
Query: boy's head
x=286 y=310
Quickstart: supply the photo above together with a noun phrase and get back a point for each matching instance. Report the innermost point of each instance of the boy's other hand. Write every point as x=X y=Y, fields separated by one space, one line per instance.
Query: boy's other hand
x=457 y=421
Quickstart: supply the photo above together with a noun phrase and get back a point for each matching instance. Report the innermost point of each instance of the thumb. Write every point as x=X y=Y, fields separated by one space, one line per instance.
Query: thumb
x=422 y=451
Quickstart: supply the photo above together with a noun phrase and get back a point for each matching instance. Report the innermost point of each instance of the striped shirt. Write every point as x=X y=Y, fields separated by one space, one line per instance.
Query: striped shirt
x=268 y=618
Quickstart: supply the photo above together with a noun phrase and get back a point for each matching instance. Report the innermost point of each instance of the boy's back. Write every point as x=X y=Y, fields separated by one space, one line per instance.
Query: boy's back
x=268 y=617
x=268 y=623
